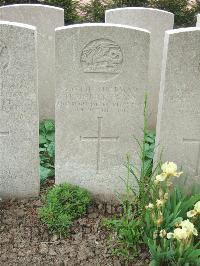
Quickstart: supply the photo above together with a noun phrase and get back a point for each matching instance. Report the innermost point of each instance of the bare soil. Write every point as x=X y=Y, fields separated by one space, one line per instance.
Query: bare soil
x=24 y=240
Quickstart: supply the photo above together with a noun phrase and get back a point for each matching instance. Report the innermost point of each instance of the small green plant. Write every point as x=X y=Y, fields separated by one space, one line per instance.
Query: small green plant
x=129 y=227
x=62 y=205
x=128 y=233
x=47 y=149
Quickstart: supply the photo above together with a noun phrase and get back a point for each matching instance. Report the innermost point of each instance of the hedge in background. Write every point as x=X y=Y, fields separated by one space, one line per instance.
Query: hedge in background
x=185 y=14
x=93 y=10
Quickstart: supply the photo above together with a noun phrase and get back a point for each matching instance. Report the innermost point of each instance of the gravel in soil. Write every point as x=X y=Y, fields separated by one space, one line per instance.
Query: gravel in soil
x=24 y=240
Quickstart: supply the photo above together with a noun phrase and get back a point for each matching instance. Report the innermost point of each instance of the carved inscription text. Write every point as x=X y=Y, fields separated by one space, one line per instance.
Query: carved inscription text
x=100 y=99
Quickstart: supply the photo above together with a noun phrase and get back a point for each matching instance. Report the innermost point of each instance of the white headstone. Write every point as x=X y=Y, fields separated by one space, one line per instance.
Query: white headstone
x=178 y=126
x=46 y=19
x=100 y=86
x=157 y=22
x=198 y=20
x=19 y=163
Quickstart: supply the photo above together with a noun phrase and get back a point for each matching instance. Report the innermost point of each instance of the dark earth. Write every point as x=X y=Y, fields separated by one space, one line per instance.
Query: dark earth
x=25 y=240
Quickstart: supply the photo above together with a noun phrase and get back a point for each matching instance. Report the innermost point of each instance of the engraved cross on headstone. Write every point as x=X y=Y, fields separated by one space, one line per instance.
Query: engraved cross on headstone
x=197 y=141
x=99 y=139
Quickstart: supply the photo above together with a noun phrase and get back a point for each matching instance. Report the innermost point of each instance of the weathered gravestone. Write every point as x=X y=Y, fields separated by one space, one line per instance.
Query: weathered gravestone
x=19 y=164
x=101 y=80
x=198 y=20
x=157 y=22
x=46 y=19
x=178 y=126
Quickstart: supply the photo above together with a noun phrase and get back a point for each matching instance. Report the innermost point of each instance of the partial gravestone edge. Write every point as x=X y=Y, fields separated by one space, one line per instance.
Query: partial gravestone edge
x=32 y=6
x=146 y=9
x=177 y=132
x=198 y=20
x=157 y=22
x=45 y=18
x=19 y=117
x=83 y=25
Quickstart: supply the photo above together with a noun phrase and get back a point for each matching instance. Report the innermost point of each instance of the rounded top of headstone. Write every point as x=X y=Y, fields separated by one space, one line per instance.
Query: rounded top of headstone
x=139 y=9
x=101 y=25
x=32 y=6
x=4 y=48
x=182 y=30
x=198 y=20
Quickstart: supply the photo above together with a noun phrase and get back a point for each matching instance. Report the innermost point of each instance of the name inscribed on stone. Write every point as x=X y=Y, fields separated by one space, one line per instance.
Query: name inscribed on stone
x=103 y=99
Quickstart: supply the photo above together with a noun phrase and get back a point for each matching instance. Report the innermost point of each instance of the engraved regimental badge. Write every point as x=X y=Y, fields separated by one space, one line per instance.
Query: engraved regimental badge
x=101 y=56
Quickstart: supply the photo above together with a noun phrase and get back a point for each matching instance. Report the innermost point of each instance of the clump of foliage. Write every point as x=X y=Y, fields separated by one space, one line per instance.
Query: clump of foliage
x=156 y=214
x=185 y=14
x=47 y=149
x=130 y=3
x=94 y=10
x=129 y=228
x=70 y=7
x=62 y=205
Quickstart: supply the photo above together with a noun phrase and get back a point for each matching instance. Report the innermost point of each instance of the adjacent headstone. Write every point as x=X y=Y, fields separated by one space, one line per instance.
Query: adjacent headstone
x=102 y=73
x=46 y=19
x=198 y=20
x=19 y=163
x=178 y=126
x=157 y=22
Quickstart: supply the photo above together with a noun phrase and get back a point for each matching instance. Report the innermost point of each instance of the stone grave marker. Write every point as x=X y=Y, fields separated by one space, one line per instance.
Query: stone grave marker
x=46 y=19
x=157 y=22
x=19 y=160
x=178 y=126
x=100 y=86
x=198 y=20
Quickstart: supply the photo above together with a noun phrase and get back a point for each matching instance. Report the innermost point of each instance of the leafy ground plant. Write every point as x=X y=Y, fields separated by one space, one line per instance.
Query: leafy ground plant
x=47 y=149
x=156 y=214
x=62 y=205
x=129 y=228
